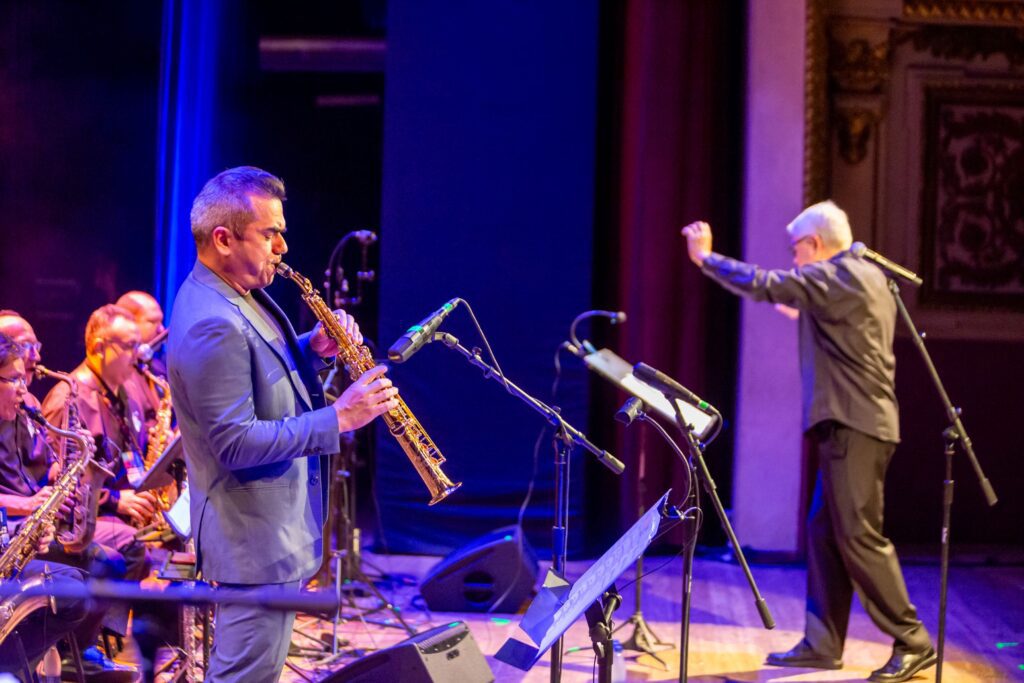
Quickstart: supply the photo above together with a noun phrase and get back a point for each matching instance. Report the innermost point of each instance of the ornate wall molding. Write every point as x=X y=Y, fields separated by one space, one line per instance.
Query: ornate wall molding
x=816 y=131
x=964 y=42
x=989 y=11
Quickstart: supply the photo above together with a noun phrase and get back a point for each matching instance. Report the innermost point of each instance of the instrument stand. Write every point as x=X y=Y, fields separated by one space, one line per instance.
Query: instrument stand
x=599 y=619
x=954 y=434
x=566 y=437
x=643 y=639
x=343 y=534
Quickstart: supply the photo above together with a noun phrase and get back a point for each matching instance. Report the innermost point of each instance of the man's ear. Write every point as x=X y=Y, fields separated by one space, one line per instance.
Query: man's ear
x=220 y=238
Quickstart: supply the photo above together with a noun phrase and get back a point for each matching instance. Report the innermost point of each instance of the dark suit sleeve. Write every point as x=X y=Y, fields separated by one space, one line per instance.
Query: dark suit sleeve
x=311 y=357
x=818 y=287
x=215 y=369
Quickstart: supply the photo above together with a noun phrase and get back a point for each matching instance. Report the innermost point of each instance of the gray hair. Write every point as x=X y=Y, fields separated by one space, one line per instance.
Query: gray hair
x=826 y=220
x=224 y=200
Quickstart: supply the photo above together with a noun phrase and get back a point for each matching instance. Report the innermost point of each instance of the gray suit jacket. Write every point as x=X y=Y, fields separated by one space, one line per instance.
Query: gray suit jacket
x=254 y=429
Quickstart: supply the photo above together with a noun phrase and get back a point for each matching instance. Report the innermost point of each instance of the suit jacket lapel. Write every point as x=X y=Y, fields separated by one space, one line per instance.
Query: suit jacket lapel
x=207 y=277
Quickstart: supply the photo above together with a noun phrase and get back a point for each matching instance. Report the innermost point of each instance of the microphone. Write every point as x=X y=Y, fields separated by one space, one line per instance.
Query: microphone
x=630 y=410
x=365 y=236
x=417 y=336
x=668 y=386
x=860 y=250
x=144 y=353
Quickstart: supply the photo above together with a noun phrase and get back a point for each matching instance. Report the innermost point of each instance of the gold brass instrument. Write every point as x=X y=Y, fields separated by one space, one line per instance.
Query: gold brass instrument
x=75 y=533
x=402 y=424
x=25 y=544
x=159 y=435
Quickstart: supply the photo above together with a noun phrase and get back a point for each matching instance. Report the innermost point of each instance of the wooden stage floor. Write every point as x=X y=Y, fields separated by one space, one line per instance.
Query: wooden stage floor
x=984 y=641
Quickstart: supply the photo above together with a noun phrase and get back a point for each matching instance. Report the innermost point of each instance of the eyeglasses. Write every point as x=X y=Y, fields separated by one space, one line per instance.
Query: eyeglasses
x=132 y=346
x=28 y=347
x=14 y=381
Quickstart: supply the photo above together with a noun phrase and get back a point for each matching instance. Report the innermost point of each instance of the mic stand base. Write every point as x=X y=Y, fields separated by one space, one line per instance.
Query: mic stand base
x=643 y=639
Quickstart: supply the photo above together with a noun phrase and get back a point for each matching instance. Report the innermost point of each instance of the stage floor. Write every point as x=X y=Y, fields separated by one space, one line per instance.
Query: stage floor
x=984 y=642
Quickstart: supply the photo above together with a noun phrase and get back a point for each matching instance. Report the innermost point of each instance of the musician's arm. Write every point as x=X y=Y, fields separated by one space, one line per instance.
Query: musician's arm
x=811 y=286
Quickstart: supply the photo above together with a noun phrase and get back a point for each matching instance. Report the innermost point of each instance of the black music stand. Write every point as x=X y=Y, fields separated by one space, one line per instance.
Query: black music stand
x=161 y=474
x=558 y=604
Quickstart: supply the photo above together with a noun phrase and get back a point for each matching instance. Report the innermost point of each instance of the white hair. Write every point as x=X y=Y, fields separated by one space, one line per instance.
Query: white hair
x=826 y=220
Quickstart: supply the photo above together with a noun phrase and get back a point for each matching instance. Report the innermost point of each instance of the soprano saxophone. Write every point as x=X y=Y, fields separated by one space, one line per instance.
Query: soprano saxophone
x=403 y=425
x=76 y=532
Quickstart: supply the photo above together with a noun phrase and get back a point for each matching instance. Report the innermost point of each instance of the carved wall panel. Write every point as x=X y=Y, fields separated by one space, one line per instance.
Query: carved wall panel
x=924 y=114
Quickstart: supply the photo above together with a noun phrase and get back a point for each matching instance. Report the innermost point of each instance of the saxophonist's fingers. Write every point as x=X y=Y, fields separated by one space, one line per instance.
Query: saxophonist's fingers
x=372 y=374
x=350 y=325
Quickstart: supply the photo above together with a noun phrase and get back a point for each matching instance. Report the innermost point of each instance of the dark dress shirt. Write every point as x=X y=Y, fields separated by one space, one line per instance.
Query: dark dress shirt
x=23 y=457
x=847 y=322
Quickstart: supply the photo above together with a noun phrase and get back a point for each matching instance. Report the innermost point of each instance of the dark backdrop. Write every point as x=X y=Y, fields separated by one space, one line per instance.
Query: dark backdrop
x=78 y=111
x=488 y=195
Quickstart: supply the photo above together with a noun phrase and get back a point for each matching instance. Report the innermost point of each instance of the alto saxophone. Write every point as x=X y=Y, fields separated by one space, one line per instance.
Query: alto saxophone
x=75 y=533
x=24 y=546
x=403 y=425
x=159 y=435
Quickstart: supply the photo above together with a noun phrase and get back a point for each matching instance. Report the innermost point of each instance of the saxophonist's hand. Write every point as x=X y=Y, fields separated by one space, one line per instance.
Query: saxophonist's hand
x=323 y=345
x=49 y=533
x=139 y=507
x=366 y=398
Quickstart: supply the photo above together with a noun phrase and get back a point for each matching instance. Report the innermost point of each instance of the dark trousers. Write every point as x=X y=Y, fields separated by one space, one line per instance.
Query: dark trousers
x=846 y=549
x=44 y=626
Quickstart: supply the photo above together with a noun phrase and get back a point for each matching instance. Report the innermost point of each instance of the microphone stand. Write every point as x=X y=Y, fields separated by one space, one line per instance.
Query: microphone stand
x=565 y=439
x=697 y=469
x=954 y=434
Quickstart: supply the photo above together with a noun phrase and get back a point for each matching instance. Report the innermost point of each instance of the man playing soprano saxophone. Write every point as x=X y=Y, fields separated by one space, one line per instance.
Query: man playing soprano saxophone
x=252 y=417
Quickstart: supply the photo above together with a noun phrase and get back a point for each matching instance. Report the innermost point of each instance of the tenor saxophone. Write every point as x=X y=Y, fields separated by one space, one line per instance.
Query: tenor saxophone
x=403 y=425
x=75 y=533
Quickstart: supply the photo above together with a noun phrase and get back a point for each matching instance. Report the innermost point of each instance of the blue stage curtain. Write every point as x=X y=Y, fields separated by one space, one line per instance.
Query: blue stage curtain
x=489 y=129
x=190 y=46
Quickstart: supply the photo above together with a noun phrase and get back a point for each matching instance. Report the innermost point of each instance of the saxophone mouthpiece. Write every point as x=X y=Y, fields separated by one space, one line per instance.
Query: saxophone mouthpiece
x=32 y=414
x=283 y=269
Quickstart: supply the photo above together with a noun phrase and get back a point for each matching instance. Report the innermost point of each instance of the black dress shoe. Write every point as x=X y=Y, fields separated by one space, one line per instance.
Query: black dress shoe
x=903 y=666
x=802 y=656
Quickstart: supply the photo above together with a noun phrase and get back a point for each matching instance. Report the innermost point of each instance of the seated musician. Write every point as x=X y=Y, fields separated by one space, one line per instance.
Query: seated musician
x=22 y=492
x=113 y=414
x=144 y=383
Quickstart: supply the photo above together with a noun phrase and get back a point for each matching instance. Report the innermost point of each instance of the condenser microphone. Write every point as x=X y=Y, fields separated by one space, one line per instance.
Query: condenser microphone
x=417 y=336
x=860 y=250
x=668 y=386
x=630 y=410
